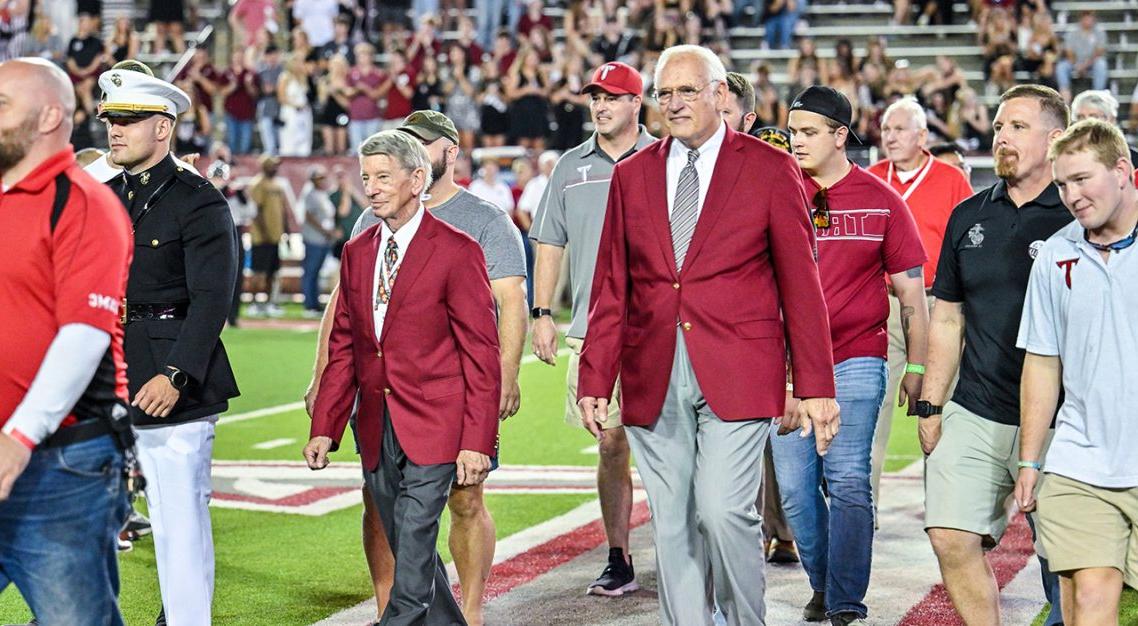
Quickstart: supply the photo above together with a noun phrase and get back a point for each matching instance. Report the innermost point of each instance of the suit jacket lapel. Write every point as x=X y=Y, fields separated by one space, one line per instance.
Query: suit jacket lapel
x=419 y=251
x=365 y=268
x=727 y=168
x=656 y=177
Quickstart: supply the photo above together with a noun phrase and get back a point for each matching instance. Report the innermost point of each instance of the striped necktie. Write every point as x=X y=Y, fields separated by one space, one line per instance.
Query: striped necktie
x=685 y=209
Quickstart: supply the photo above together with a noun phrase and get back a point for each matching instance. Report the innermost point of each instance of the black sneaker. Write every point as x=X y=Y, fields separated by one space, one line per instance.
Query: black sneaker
x=617 y=579
x=815 y=610
x=136 y=526
x=846 y=618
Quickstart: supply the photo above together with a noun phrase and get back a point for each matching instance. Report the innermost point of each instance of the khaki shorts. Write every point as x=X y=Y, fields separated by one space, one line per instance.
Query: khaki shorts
x=1083 y=526
x=971 y=473
x=572 y=411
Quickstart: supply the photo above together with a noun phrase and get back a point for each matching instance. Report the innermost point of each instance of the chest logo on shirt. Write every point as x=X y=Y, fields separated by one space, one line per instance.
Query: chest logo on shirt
x=584 y=170
x=1034 y=248
x=1067 y=265
x=856 y=224
x=976 y=236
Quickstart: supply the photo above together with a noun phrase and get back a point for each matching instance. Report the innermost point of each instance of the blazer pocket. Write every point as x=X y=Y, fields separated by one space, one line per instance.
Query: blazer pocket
x=442 y=387
x=759 y=329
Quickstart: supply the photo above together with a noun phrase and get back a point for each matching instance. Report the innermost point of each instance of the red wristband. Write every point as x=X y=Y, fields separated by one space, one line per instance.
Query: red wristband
x=23 y=439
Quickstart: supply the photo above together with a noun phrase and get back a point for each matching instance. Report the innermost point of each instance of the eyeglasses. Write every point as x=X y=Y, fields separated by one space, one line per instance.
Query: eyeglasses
x=821 y=213
x=687 y=94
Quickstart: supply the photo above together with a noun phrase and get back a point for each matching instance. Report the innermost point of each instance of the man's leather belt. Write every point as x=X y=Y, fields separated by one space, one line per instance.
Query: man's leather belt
x=140 y=312
x=83 y=431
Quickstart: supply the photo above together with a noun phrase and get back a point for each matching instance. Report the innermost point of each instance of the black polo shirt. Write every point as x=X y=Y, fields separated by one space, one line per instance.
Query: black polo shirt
x=989 y=247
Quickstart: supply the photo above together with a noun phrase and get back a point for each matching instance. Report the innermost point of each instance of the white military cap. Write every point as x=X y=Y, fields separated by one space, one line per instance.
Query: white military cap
x=128 y=93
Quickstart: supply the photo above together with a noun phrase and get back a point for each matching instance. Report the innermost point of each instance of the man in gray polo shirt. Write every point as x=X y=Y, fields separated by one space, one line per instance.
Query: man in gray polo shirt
x=572 y=212
x=472 y=535
x=1078 y=331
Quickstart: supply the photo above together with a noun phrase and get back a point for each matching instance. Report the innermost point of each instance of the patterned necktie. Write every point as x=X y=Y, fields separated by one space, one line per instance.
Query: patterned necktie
x=684 y=209
x=387 y=277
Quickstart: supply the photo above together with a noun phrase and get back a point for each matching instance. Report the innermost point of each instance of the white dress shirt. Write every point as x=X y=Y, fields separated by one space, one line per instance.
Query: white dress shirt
x=704 y=166
x=403 y=239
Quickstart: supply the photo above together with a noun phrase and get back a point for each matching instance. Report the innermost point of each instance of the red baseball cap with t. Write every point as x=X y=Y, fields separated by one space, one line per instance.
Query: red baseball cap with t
x=617 y=79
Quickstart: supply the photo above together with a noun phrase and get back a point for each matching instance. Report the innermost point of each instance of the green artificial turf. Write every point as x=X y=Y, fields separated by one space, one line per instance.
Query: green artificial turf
x=289 y=569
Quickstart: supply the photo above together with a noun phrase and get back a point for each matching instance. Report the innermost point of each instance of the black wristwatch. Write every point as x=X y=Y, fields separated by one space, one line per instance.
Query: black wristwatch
x=927 y=409
x=177 y=377
x=538 y=312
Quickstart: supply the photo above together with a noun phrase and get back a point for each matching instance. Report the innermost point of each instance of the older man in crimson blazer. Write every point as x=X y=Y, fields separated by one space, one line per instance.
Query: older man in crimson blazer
x=706 y=263
x=415 y=335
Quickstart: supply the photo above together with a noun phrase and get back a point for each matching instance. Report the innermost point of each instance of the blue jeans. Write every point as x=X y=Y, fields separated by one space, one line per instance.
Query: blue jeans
x=270 y=142
x=314 y=255
x=780 y=29
x=58 y=533
x=842 y=532
x=360 y=130
x=238 y=134
x=1099 y=73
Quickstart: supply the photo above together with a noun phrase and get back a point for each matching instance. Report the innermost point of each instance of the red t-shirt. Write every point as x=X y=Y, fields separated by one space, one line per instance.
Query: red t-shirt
x=931 y=199
x=242 y=103
x=76 y=275
x=871 y=234
x=398 y=105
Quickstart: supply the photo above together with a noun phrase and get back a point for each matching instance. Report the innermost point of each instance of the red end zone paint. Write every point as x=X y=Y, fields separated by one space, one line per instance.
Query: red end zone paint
x=1007 y=560
x=303 y=498
x=534 y=562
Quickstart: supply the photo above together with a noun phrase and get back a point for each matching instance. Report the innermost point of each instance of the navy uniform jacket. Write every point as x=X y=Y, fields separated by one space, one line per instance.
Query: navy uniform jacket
x=185 y=254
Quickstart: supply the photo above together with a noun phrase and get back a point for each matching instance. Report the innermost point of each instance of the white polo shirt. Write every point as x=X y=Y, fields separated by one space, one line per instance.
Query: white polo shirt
x=1085 y=311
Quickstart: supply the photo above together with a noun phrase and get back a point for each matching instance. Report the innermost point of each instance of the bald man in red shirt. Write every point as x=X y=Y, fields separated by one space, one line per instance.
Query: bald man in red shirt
x=931 y=189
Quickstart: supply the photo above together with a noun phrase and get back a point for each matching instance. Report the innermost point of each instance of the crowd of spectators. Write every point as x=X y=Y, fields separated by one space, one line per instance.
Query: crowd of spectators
x=315 y=77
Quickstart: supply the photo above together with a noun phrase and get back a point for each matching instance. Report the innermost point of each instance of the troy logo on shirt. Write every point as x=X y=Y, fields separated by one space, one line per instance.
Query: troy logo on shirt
x=1068 y=265
x=855 y=224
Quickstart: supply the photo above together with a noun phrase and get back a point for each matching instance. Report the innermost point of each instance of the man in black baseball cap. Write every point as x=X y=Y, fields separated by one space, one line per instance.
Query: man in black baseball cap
x=829 y=103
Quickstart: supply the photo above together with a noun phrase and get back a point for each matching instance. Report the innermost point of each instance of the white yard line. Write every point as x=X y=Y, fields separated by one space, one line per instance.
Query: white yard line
x=273 y=443
x=272 y=410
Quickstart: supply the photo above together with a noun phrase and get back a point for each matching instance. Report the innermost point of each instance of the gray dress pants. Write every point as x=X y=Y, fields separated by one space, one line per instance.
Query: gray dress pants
x=410 y=498
x=702 y=477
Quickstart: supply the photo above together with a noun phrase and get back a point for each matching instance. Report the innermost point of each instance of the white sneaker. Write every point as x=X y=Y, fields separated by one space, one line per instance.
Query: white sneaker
x=273 y=310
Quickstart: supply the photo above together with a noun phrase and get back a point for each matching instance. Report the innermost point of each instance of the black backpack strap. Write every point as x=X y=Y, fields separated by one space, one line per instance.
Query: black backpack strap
x=62 y=193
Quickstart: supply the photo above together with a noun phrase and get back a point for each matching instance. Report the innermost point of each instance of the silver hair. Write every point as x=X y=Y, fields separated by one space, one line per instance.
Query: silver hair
x=402 y=148
x=1100 y=99
x=910 y=104
x=715 y=70
x=549 y=156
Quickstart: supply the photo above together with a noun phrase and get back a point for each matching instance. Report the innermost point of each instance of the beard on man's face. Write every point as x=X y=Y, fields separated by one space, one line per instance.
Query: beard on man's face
x=438 y=169
x=1006 y=164
x=16 y=142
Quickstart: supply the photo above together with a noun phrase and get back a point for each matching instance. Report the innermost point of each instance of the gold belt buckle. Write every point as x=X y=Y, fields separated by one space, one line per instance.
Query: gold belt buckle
x=122 y=316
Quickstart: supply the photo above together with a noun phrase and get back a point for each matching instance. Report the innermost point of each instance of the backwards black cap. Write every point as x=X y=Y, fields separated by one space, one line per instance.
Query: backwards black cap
x=827 y=102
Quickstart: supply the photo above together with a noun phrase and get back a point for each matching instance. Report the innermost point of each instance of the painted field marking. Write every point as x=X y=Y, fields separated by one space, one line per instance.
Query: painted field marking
x=273 y=443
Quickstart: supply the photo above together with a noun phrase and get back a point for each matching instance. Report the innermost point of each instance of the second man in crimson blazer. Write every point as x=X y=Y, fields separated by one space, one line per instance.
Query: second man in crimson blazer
x=415 y=335
x=706 y=266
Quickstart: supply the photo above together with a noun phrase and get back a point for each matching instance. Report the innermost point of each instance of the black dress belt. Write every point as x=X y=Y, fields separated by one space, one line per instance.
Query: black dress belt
x=83 y=431
x=140 y=312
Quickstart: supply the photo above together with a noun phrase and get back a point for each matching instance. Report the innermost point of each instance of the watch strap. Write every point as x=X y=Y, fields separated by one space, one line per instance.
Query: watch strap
x=537 y=312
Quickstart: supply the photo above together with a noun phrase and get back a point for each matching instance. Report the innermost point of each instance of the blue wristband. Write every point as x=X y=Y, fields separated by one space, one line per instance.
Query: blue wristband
x=1030 y=465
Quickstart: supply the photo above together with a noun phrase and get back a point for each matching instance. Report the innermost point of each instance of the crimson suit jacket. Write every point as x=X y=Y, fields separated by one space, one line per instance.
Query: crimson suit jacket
x=750 y=267
x=436 y=367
